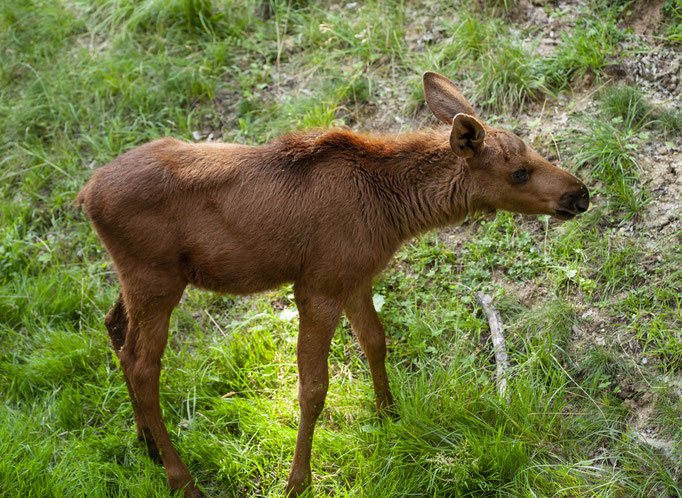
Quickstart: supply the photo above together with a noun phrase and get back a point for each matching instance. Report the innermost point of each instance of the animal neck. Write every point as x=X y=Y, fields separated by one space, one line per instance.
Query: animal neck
x=407 y=184
x=420 y=185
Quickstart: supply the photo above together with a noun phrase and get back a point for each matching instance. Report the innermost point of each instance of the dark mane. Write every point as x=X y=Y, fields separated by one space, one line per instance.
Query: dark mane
x=300 y=149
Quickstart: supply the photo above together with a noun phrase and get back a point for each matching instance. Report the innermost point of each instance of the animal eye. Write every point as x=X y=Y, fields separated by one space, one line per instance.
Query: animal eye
x=520 y=175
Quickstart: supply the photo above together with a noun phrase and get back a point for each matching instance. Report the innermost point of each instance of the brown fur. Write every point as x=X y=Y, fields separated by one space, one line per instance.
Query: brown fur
x=325 y=210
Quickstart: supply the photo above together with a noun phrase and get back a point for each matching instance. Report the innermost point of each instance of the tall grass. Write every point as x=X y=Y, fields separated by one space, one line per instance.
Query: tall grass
x=609 y=144
x=584 y=51
x=629 y=104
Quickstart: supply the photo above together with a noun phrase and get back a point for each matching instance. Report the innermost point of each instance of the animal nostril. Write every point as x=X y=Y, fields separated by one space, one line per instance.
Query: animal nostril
x=582 y=204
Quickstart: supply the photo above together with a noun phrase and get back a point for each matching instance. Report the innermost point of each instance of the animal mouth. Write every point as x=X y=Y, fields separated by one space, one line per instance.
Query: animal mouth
x=562 y=214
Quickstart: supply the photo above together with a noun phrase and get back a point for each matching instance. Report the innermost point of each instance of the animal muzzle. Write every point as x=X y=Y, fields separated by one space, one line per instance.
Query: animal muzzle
x=573 y=203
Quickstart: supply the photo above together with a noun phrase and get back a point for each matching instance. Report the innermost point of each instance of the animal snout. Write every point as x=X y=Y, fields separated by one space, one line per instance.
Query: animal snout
x=582 y=203
x=575 y=202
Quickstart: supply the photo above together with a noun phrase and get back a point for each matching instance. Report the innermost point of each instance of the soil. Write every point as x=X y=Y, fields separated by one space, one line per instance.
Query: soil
x=645 y=18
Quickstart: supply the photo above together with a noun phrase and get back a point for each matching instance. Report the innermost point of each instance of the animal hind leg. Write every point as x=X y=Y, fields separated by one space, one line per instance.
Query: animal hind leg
x=372 y=338
x=116 y=322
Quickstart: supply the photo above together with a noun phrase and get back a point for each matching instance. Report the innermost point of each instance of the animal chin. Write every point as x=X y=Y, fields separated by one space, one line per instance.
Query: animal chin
x=562 y=214
x=489 y=213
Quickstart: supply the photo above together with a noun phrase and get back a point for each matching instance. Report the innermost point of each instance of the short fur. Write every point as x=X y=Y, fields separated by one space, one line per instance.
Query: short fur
x=325 y=210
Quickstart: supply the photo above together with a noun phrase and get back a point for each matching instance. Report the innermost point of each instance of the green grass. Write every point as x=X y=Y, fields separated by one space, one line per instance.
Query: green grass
x=586 y=49
x=626 y=103
x=673 y=31
x=610 y=151
x=82 y=82
x=508 y=74
x=630 y=105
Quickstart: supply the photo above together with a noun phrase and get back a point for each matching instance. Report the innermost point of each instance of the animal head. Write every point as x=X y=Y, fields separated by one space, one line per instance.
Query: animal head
x=505 y=173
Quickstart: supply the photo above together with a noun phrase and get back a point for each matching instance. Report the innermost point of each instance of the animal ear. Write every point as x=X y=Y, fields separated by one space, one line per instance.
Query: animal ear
x=466 y=137
x=444 y=98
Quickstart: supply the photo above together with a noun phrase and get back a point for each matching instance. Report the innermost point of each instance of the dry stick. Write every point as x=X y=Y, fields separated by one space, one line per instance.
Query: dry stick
x=501 y=356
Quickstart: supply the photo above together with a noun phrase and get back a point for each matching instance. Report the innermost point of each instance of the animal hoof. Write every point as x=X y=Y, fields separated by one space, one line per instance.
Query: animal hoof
x=386 y=410
x=296 y=487
x=190 y=489
x=193 y=492
x=182 y=481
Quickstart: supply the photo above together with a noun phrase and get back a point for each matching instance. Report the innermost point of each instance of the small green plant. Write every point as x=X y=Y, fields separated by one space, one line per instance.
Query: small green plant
x=601 y=367
x=510 y=75
x=585 y=50
x=655 y=310
x=501 y=245
x=493 y=7
x=669 y=121
x=374 y=31
x=192 y=15
x=626 y=103
x=661 y=336
x=472 y=37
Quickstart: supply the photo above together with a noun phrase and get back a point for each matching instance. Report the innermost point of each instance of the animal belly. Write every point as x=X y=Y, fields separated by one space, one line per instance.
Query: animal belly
x=232 y=274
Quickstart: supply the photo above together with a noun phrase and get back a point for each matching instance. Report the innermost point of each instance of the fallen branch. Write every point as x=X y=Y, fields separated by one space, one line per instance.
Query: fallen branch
x=497 y=333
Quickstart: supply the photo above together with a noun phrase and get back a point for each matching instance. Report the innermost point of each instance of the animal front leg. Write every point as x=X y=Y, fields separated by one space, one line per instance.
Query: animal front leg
x=372 y=338
x=318 y=319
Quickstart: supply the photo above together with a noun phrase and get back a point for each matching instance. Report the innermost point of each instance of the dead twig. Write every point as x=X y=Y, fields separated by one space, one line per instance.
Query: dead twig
x=497 y=333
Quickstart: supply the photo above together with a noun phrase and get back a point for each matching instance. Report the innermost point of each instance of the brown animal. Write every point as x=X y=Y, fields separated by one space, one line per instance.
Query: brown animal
x=325 y=210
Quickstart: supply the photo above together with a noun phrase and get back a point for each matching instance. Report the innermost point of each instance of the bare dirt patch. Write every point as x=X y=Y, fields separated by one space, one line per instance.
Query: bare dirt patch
x=646 y=17
x=662 y=166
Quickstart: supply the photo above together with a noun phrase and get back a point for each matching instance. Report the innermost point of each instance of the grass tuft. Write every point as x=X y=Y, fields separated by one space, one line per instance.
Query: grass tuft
x=584 y=51
x=508 y=74
x=609 y=149
x=626 y=103
x=629 y=104
x=673 y=10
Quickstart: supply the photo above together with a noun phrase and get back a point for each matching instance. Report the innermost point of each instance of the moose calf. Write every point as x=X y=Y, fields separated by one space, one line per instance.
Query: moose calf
x=325 y=210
